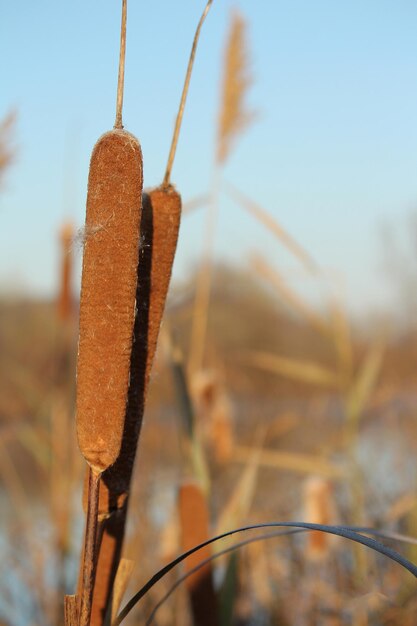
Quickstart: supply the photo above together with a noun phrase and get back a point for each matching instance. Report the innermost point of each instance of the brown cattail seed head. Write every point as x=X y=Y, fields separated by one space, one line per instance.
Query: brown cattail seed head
x=108 y=290
x=319 y=508
x=194 y=522
x=165 y=204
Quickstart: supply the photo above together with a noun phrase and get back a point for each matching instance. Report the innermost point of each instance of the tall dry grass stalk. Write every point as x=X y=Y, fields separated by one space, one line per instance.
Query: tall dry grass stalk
x=289 y=296
x=193 y=449
x=234 y=117
x=167 y=177
x=65 y=300
x=274 y=227
x=7 y=153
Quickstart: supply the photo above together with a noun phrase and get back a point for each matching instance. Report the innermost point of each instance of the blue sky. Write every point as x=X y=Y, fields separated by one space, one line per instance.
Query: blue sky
x=332 y=154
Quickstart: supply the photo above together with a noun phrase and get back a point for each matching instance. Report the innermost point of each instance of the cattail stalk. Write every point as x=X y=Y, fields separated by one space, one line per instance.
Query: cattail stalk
x=159 y=234
x=194 y=522
x=180 y=114
x=89 y=561
x=233 y=119
x=159 y=231
x=107 y=312
x=70 y=610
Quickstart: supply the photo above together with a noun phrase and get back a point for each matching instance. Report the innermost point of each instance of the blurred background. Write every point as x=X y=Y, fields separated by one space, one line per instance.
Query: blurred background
x=292 y=308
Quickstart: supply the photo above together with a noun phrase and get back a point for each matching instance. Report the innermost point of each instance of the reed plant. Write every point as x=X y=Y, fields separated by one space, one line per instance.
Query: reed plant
x=130 y=239
x=126 y=331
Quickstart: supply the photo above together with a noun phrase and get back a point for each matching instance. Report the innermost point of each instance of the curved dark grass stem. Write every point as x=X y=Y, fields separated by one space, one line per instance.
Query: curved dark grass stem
x=236 y=546
x=241 y=544
x=341 y=531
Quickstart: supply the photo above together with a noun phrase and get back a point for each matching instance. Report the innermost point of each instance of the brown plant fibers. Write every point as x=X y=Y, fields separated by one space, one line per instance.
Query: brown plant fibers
x=108 y=290
x=159 y=232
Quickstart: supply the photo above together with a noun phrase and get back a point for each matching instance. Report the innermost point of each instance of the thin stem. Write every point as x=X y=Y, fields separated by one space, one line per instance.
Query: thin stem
x=71 y=610
x=180 y=113
x=351 y=533
x=199 y=325
x=121 y=80
x=211 y=558
x=89 y=559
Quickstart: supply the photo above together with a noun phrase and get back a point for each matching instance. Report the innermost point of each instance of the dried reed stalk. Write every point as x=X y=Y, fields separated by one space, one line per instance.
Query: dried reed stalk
x=292 y=461
x=61 y=487
x=65 y=303
x=273 y=227
x=194 y=523
x=180 y=114
x=89 y=556
x=193 y=449
x=233 y=117
x=70 y=610
x=6 y=152
x=289 y=296
x=302 y=370
x=124 y=572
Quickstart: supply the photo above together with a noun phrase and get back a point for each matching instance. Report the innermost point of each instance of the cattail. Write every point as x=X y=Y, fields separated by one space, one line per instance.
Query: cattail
x=216 y=411
x=159 y=231
x=160 y=219
x=108 y=291
x=107 y=313
x=319 y=508
x=164 y=206
x=194 y=523
x=158 y=236
x=222 y=436
x=169 y=539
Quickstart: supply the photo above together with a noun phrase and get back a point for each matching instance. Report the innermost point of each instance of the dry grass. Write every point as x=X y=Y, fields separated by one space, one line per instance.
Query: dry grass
x=234 y=117
x=286 y=406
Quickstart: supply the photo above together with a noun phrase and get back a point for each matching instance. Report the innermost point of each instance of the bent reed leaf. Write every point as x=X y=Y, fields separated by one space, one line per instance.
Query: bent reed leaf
x=291 y=461
x=273 y=226
x=296 y=369
x=207 y=561
x=340 y=531
x=245 y=542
